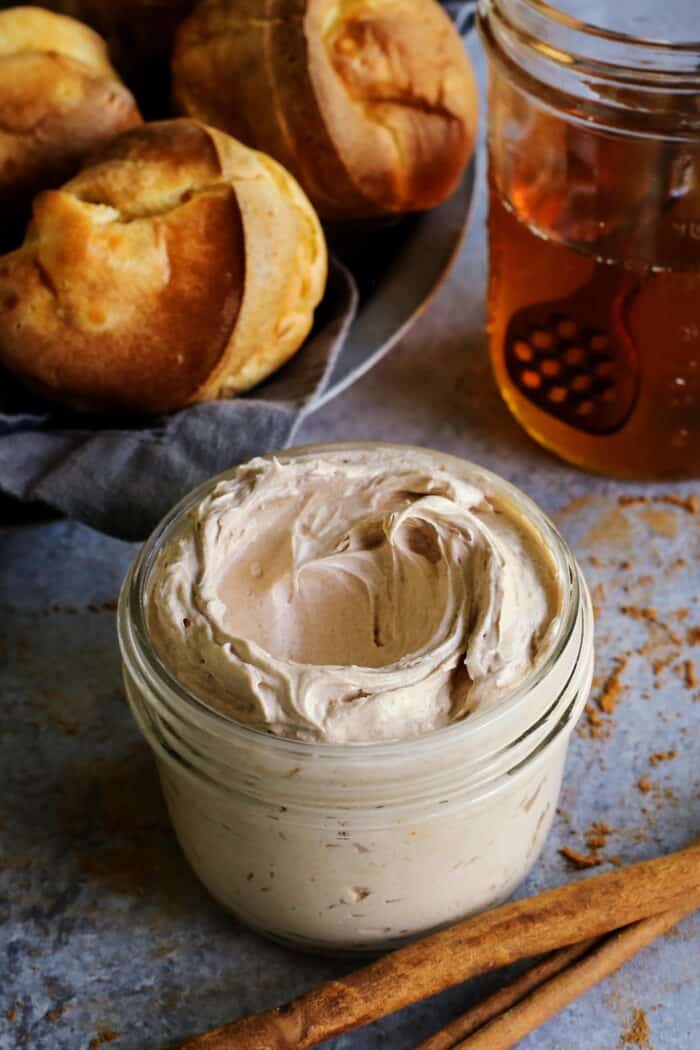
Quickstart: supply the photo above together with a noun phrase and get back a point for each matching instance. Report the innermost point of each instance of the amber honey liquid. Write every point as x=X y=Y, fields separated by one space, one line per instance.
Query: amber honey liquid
x=660 y=436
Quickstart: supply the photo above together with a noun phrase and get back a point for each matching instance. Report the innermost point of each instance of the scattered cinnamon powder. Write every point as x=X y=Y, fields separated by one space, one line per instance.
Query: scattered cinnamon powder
x=106 y=1036
x=663 y=522
x=109 y=606
x=693 y=636
x=651 y=615
x=689 y=675
x=598 y=599
x=657 y=794
x=595 y=726
x=609 y=696
x=690 y=504
x=64 y=607
x=594 y=716
x=638 y=1032
x=580 y=860
x=606 y=702
x=660 y=664
x=612 y=529
x=597 y=835
x=73 y=610
x=637 y=613
x=662 y=756
x=643 y=581
x=630 y=501
x=54 y=1015
x=11 y=1015
x=596 y=838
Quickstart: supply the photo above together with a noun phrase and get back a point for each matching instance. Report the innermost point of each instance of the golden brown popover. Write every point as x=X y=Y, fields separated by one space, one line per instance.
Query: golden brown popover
x=59 y=100
x=140 y=37
x=370 y=103
x=179 y=266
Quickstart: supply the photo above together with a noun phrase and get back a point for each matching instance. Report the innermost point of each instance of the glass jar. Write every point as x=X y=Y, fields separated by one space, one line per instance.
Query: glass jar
x=345 y=848
x=594 y=229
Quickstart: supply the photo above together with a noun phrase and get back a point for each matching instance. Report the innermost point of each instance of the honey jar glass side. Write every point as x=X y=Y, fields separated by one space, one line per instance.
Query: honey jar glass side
x=594 y=239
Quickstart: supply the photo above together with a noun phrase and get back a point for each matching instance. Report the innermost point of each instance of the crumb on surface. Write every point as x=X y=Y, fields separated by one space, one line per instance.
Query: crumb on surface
x=690 y=676
x=637 y=1033
x=650 y=615
x=662 y=756
x=660 y=664
x=609 y=696
x=647 y=612
x=597 y=835
x=580 y=860
x=596 y=727
x=690 y=504
x=644 y=784
x=105 y=1036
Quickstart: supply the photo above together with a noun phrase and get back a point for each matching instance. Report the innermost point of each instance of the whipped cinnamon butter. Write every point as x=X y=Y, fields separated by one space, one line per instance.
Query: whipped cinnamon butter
x=351 y=597
x=358 y=667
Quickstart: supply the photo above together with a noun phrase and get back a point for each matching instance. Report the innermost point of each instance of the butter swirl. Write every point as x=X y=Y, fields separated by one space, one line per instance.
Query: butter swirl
x=352 y=596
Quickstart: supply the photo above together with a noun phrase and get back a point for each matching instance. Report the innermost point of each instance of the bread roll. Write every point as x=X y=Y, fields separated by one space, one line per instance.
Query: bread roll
x=140 y=37
x=59 y=100
x=179 y=266
x=370 y=103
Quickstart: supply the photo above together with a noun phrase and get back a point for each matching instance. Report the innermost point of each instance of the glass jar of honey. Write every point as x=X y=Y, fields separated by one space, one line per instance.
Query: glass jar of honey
x=594 y=228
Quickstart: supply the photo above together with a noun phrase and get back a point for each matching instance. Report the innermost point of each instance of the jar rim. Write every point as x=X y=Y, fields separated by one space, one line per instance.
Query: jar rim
x=591 y=29
x=585 y=49
x=136 y=645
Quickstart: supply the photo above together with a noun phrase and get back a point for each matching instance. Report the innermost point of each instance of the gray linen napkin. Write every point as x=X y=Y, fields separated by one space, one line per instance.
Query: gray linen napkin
x=121 y=477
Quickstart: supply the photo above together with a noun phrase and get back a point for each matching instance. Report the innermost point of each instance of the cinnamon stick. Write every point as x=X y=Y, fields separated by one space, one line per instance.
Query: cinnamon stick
x=505 y=1031
x=495 y=1005
x=559 y=917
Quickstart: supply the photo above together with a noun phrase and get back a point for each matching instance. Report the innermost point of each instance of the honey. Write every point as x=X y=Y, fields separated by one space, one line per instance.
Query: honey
x=627 y=406
x=594 y=240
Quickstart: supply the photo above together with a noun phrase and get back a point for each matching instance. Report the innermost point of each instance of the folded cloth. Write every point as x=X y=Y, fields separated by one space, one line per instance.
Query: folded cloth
x=121 y=476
